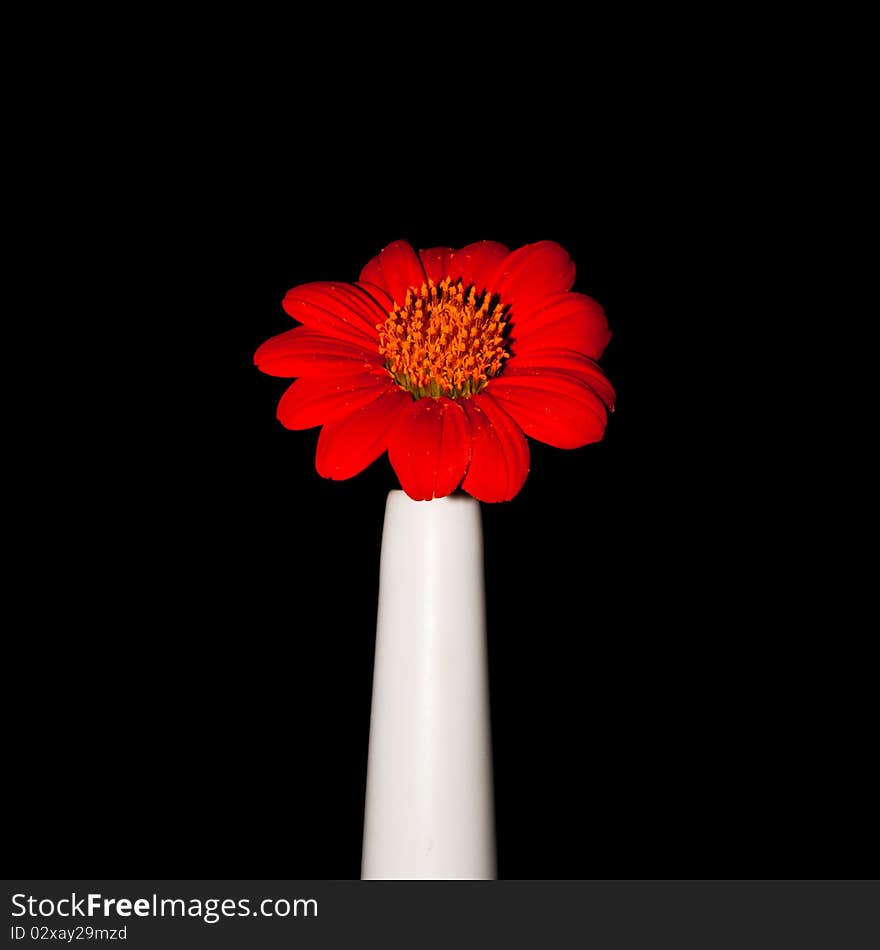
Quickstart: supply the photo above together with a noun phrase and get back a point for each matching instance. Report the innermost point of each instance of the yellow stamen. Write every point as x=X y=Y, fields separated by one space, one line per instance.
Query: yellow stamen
x=446 y=340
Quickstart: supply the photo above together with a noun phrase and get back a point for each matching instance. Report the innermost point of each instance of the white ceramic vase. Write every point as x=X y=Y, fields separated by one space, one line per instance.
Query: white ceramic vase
x=429 y=806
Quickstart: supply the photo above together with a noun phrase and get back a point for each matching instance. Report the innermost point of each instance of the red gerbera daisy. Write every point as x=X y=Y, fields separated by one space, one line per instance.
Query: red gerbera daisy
x=448 y=359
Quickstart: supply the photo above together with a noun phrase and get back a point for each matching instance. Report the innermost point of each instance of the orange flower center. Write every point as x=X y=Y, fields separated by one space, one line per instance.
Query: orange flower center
x=446 y=340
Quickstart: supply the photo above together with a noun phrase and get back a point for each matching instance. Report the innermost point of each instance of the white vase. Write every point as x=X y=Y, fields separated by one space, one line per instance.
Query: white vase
x=429 y=808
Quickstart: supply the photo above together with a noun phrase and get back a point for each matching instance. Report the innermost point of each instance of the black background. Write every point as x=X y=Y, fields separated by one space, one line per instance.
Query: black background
x=190 y=693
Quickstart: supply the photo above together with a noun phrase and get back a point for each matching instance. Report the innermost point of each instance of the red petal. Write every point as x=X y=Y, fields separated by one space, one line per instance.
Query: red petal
x=341 y=310
x=553 y=407
x=379 y=297
x=567 y=321
x=348 y=445
x=430 y=448
x=477 y=263
x=305 y=352
x=437 y=262
x=539 y=362
x=372 y=272
x=314 y=400
x=500 y=453
x=531 y=273
x=395 y=270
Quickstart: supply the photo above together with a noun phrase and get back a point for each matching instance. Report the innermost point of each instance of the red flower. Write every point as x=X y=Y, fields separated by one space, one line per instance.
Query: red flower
x=448 y=359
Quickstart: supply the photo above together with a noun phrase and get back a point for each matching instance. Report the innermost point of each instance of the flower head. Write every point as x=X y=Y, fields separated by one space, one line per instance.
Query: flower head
x=447 y=359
